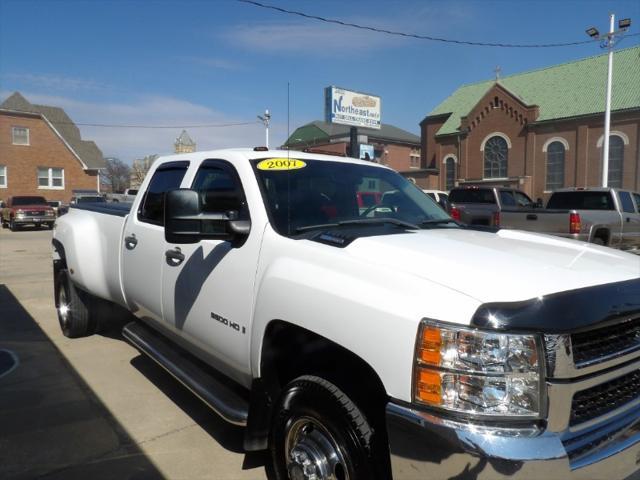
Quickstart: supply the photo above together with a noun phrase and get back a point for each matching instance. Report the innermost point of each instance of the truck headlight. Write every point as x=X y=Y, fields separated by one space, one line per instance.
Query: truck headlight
x=478 y=372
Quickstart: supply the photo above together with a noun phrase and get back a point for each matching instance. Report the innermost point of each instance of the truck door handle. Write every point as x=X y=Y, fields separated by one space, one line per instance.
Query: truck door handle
x=532 y=216
x=174 y=257
x=130 y=242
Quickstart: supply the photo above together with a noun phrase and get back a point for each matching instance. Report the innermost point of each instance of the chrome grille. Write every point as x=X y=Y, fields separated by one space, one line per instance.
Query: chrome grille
x=601 y=344
x=604 y=398
x=35 y=213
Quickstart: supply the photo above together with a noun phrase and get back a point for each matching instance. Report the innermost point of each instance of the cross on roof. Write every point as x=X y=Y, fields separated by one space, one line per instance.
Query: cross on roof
x=498 y=70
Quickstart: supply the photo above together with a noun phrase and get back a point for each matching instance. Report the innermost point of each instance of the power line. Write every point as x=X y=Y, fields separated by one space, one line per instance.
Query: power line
x=113 y=125
x=415 y=35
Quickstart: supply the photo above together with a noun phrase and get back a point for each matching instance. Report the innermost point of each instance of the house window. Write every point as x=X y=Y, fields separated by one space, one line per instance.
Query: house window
x=20 y=135
x=450 y=173
x=555 y=166
x=3 y=176
x=496 y=154
x=414 y=158
x=51 y=178
x=616 y=160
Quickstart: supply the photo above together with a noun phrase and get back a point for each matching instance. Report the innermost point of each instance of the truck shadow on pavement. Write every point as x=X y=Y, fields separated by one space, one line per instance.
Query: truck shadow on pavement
x=53 y=426
x=229 y=437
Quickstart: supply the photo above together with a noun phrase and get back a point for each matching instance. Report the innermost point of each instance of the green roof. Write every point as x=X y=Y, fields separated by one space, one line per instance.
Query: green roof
x=319 y=132
x=561 y=91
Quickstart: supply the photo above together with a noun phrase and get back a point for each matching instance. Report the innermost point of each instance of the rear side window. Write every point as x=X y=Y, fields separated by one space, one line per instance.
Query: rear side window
x=627 y=203
x=581 y=201
x=167 y=177
x=472 y=195
x=507 y=199
x=637 y=199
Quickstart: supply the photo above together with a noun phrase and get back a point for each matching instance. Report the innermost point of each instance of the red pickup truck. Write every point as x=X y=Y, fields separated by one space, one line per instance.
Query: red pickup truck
x=27 y=210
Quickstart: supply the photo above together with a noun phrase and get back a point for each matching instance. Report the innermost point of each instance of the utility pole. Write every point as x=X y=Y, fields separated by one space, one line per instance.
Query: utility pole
x=608 y=41
x=265 y=120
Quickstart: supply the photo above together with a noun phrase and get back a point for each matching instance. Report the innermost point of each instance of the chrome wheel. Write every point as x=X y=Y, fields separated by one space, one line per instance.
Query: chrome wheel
x=64 y=312
x=312 y=453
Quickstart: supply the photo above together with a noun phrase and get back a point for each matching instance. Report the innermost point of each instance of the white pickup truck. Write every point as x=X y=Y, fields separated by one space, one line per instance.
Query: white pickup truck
x=126 y=197
x=392 y=342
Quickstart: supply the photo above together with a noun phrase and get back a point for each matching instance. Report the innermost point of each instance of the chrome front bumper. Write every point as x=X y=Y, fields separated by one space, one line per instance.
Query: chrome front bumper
x=33 y=220
x=424 y=446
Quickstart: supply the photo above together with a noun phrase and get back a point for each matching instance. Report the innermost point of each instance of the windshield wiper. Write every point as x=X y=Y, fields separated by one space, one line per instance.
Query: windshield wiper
x=441 y=221
x=360 y=221
x=381 y=220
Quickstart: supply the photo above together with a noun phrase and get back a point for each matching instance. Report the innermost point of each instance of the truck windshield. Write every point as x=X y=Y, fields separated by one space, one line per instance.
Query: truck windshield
x=28 y=201
x=321 y=193
x=472 y=195
x=577 y=200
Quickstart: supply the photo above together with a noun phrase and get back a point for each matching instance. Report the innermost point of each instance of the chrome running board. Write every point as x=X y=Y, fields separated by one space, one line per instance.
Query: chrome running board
x=189 y=371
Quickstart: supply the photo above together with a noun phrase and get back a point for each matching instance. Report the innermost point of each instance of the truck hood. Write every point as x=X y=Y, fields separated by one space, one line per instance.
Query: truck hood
x=506 y=266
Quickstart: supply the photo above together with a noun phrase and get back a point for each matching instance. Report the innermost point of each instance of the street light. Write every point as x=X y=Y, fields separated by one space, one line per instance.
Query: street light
x=608 y=42
x=265 y=120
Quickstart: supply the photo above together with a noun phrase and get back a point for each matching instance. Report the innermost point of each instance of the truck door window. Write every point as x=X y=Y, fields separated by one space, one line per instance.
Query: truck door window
x=637 y=199
x=165 y=178
x=507 y=199
x=220 y=189
x=627 y=203
x=522 y=199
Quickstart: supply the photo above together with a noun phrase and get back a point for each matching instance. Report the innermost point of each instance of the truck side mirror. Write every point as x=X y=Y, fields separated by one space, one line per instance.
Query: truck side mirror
x=185 y=222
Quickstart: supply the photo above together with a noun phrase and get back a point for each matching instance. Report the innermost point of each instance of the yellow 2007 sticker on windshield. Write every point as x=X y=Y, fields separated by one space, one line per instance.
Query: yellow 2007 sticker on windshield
x=281 y=164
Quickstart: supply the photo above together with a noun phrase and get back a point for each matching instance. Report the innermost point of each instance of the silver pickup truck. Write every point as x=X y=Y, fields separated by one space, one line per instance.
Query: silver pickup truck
x=605 y=216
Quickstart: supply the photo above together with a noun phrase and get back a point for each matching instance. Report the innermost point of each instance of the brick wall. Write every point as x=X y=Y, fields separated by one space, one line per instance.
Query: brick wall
x=46 y=149
x=527 y=159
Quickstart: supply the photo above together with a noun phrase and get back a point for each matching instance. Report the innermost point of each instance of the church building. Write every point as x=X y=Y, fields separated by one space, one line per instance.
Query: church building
x=540 y=130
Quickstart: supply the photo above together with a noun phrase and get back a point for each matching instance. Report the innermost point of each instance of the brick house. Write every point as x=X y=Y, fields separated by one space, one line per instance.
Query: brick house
x=540 y=130
x=392 y=146
x=42 y=153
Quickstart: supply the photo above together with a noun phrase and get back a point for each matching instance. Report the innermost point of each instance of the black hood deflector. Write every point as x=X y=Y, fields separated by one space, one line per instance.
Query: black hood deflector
x=564 y=312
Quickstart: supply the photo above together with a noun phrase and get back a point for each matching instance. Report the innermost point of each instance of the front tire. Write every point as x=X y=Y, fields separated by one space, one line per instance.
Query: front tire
x=319 y=433
x=73 y=307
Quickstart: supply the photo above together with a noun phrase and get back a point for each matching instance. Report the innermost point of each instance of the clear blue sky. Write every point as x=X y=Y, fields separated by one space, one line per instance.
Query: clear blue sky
x=209 y=62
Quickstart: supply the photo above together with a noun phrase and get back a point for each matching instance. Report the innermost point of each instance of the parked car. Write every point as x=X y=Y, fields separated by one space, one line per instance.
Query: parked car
x=441 y=197
x=128 y=196
x=22 y=210
x=58 y=207
x=392 y=343
x=598 y=215
x=607 y=216
x=476 y=205
x=86 y=196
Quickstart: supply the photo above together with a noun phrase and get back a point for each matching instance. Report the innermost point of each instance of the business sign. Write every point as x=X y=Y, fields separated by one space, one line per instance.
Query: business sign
x=367 y=152
x=351 y=108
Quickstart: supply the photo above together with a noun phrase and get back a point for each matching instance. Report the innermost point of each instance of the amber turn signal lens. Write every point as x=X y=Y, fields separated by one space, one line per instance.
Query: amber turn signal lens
x=430 y=343
x=429 y=387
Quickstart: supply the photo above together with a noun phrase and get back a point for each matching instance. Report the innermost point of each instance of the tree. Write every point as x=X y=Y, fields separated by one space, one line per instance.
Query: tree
x=140 y=168
x=116 y=175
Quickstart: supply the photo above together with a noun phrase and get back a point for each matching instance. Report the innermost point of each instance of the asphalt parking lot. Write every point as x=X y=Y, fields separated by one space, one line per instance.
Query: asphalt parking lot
x=94 y=407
